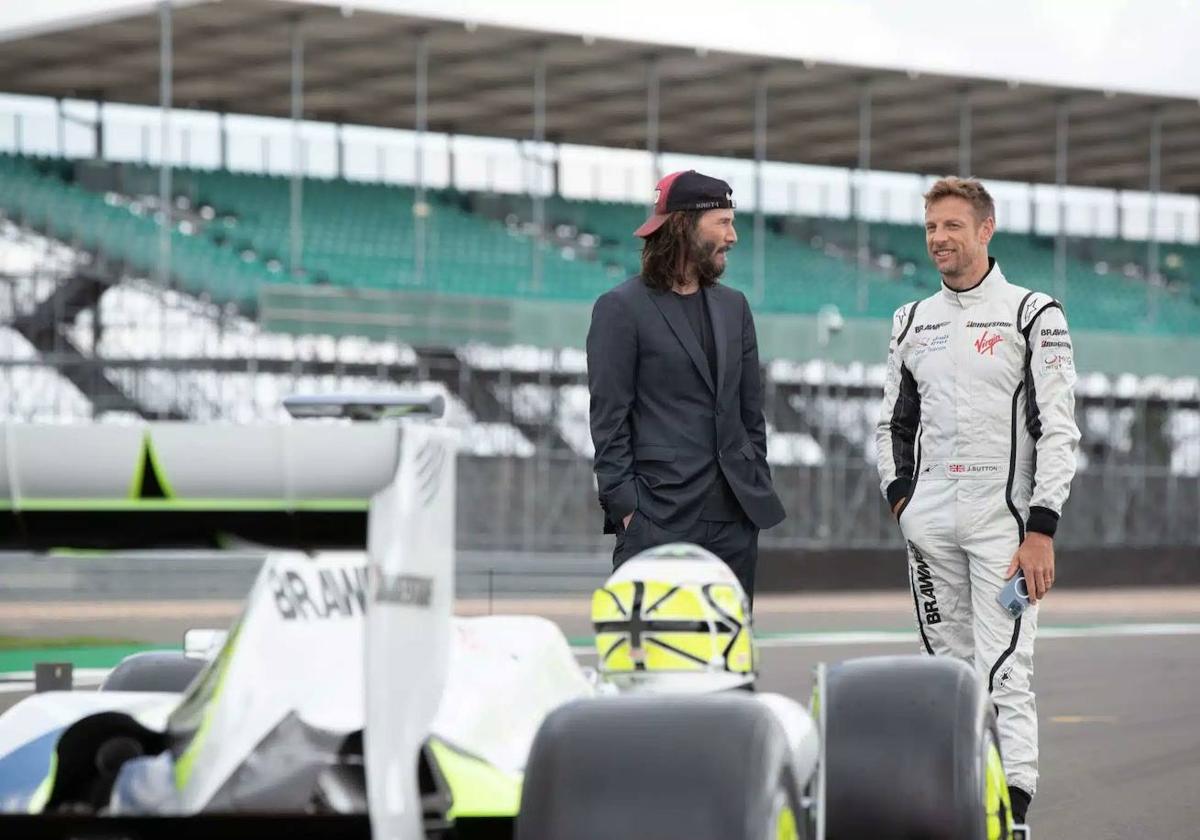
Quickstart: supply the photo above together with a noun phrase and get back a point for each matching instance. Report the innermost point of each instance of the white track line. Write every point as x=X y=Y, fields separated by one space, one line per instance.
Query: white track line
x=909 y=637
x=870 y=637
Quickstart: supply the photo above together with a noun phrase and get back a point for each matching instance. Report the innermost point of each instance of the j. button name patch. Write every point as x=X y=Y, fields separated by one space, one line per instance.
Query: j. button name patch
x=968 y=469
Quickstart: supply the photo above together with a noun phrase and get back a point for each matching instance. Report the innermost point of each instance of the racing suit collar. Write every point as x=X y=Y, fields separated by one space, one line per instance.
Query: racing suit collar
x=993 y=279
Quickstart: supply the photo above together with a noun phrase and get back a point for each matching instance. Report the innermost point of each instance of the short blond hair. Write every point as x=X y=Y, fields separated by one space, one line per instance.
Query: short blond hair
x=969 y=189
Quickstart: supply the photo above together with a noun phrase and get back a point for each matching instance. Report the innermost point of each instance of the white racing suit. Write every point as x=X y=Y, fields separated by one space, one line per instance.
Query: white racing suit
x=977 y=431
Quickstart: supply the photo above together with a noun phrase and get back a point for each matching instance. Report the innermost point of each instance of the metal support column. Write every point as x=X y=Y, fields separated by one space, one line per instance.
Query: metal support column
x=339 y=142
x=98 y=128
x=165 y=77
x=1062 y=128
x=1152 y=245
x=556 y=174
x=60 y=128
x=420 y=209
x=964 y=134
x=858 y=190
x=535 y=181
x=222 y=140
x=652 y=93
x=296 y=213
x=760 y=156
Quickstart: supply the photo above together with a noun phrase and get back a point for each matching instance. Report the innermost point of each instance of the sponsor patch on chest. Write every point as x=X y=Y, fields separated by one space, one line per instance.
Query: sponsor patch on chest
x=931 y=327
x=985 y=343
x=930 y=344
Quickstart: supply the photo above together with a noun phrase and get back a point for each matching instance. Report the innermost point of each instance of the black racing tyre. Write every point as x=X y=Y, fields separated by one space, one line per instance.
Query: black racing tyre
x=706 y=767
x=911 y=750
x=88 y=755
x=155 y=670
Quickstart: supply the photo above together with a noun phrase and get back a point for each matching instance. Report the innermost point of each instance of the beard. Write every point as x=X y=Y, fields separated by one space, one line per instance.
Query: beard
x=955 y=266
x=703 y=257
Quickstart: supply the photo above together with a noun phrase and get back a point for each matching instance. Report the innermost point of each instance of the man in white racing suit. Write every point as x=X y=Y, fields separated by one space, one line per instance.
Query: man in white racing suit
x=976 y=450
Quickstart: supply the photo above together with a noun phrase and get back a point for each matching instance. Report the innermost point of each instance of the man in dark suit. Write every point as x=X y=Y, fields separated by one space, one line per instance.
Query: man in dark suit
x=676 y=393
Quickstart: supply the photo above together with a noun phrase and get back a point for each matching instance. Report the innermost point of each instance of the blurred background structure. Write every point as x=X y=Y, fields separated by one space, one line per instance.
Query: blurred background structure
x=207 y=206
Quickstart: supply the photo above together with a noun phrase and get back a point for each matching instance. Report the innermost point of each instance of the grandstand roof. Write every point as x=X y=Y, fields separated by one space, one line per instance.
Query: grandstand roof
x=360 y=69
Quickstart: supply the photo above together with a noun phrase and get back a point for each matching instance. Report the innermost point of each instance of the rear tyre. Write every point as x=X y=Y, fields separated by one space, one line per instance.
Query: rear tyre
x=912 y=750
x=156 y=670
x=709 y=767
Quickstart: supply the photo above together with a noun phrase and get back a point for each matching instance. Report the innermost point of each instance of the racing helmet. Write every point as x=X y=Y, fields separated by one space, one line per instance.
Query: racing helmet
x=674 y=618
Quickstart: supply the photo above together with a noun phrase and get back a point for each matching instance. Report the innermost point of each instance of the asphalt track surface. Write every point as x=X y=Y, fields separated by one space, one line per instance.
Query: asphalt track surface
x=1117 y=677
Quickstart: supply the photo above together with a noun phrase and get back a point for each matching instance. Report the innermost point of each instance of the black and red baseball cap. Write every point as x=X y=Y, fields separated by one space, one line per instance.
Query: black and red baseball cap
x=686 y=191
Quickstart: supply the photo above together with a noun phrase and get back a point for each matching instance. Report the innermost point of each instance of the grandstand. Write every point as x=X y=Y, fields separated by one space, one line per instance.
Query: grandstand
x=232 y=238
x=279 y=281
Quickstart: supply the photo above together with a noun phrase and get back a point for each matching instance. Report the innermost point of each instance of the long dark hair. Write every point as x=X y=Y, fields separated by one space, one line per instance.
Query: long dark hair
x=669 y=250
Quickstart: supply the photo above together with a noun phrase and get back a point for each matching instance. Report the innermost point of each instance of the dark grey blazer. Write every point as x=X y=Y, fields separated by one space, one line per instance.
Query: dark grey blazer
x=661 y=426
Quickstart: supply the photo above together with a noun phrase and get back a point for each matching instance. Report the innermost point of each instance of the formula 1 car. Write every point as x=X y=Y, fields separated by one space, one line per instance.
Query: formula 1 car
x=348 y=689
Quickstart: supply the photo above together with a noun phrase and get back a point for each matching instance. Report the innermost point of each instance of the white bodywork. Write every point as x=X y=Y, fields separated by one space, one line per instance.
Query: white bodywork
x=802 y=732
x=293 y=467
x=410 y=545
x=506 y=674
x=302 y=628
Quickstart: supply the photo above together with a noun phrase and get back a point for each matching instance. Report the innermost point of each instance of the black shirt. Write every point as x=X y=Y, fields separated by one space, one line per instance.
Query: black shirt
x=695 y=306
x=721 y=505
